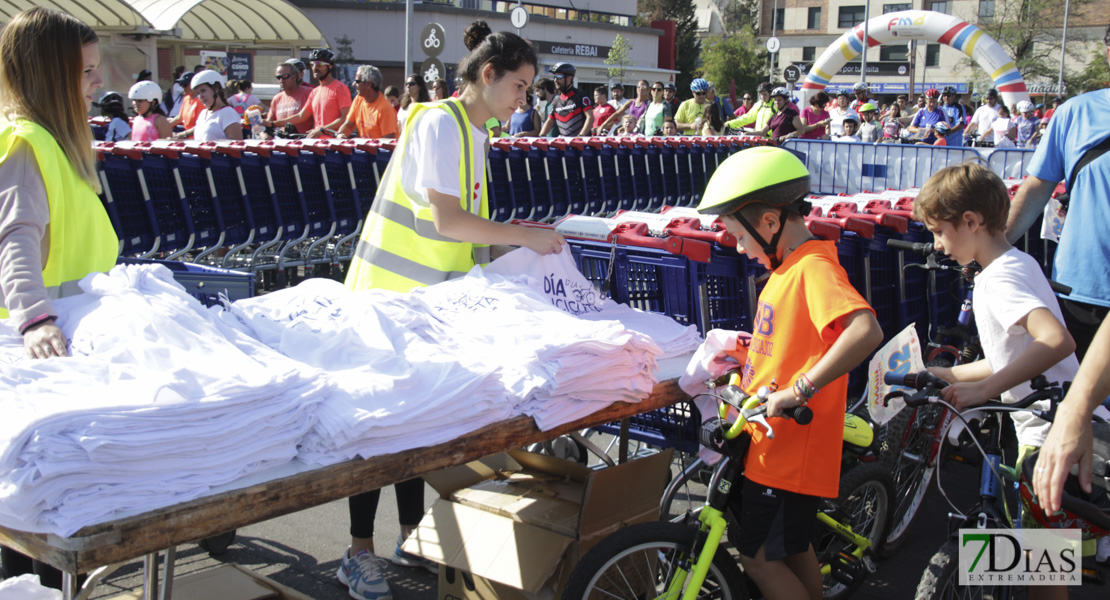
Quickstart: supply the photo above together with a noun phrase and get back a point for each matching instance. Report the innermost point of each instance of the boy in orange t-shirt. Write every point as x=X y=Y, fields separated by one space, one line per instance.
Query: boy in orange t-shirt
x=811 y=327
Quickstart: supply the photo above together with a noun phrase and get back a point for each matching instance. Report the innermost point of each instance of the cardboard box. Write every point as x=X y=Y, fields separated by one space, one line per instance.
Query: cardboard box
x=513 y=525
x=226 y=582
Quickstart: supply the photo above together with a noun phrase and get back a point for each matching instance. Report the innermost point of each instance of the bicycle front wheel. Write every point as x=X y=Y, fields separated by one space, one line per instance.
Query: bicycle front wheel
x=864 y=505
x=641 y=561
x=907 y=453
x=940 y=581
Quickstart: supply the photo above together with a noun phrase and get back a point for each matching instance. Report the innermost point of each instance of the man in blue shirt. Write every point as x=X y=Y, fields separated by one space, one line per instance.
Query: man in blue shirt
x=925 y=120
x=957 y=116
x=1083 y=256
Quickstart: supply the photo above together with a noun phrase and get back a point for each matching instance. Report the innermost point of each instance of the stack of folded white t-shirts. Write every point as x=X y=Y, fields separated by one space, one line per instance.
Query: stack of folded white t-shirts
x=155 y=406
x=394 y=390
x=556 y=367
x=557 y=278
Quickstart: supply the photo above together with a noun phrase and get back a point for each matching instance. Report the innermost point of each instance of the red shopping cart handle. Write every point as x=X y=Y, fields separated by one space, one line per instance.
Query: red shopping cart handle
x=854 y=224
x=878 y=207
x=690 y=228
x=132 y=152
x=502 y=144
x=823 y=229
x=904 y=203
x=883 y=219
x=168 y=149
x=636 y=234
x=232 y=149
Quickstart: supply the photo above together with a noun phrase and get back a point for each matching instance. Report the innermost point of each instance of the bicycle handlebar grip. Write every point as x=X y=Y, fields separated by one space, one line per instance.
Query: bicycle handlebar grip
x=1059 y=288
x=802 y=415
x=711 y=434
x=916 y=381
x=924 y=248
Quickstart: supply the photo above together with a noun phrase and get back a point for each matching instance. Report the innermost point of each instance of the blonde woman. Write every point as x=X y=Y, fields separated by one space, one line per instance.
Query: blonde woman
x=53 y=228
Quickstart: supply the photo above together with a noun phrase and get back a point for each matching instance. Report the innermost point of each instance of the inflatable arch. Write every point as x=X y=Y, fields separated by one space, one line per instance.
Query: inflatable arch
x=920 y=25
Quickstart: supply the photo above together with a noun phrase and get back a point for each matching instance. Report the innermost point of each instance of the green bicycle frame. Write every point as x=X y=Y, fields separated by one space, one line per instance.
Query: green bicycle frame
x=713 y=520
x=861 y=543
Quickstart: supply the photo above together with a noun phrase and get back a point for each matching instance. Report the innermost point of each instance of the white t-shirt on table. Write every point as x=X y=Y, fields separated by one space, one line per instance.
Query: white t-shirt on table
x=1006 y=291
x=213 y=126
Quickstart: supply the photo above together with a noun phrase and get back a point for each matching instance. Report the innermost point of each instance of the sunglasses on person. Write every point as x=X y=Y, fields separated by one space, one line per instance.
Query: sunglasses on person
x=282 y=77
x=557 y=77
x=655 y=89
x=747 y=98
x=408 y=83
x=699 y=93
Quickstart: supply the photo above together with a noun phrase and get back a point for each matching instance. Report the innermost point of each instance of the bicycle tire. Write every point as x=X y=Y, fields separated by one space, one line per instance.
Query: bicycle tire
x=632 y=558
x=864 y=505
x=940 y=580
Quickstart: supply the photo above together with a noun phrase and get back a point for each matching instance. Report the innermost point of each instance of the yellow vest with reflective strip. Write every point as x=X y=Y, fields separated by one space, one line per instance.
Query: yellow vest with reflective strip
x=400 y=248
x=82 y=239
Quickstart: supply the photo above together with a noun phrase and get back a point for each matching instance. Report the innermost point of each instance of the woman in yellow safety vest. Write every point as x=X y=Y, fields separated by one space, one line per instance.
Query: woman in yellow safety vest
x=429 y=222
x=53 y=228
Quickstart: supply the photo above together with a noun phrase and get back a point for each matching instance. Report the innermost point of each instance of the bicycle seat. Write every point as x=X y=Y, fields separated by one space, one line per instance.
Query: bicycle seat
x=857 y=432
x=1078 y=509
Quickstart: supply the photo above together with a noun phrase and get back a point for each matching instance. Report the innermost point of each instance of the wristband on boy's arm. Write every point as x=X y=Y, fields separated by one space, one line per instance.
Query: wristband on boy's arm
x=803 y=388
x=35 y=321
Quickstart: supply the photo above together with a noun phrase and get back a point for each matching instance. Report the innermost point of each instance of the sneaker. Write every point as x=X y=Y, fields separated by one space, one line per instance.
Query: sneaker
x=405 y=559
x=362 y=574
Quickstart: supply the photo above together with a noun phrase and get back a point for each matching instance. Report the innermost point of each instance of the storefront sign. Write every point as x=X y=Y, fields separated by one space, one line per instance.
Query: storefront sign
x=877 y=68
x=571 y=50
x=240 y=66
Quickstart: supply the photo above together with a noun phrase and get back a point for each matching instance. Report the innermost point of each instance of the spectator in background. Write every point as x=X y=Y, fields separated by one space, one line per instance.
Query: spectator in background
x=670 y=127
x=850 y=124
x=815 y=117
x=371 y=114
x=177 y=92
x=190 y=105
x=761 y=112
x=150 y=121
x=571 y=114
x=414 y=92
x=198 y=69
x=862 y=92
x=111 y=106
x=244 y=99
x=144 y=75
x=628 y=126
x=393 y=95
x=892 y=124
x=1003 y=129
x=670 y=94
x=544 y=93
x=688 y=117
x=712 y=124
x=651 y=123
x=746 y=103
x=1039 y=112
x=299 y=65
x=787 y=122
x=604 y=113
x=869 y=131
x=840 y=112
x=925 y=120
x=902 y=101
x=440 y=91
x=1027 y=124
x=985 y=116
x=956 y=115
x=720 y=101
x=616 y=96
x=1056 y=102
x=525 y=121
x=218 y=121
x=639 y=106
x=329 y=103
x=290 y=100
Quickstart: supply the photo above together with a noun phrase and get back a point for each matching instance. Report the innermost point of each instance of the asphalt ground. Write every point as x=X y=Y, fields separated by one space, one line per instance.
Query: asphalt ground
x=302 y=550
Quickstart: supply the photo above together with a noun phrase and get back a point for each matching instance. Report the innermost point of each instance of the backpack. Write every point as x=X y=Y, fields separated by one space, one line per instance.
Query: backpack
x=167 y=100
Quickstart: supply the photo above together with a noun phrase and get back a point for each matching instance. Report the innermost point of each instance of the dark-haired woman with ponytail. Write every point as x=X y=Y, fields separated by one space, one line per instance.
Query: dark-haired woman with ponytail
x=430 y=222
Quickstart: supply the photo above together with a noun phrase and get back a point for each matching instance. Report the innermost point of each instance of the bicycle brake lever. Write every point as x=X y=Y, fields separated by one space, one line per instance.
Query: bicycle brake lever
x=761 y=418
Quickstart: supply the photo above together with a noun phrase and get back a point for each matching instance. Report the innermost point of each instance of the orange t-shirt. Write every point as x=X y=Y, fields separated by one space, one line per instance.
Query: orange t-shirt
x=373 y=119
x=328 y=101
x=794 y=326
x=190 y=111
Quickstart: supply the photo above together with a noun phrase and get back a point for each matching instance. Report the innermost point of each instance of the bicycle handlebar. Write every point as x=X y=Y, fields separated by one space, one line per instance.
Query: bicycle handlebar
x=714 y=432
x=928 y=384
x=923 y=248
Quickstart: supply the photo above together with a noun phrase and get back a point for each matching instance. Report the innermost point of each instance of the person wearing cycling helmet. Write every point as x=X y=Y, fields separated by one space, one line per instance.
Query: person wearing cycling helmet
x=689 y=116
x=787 y=122
x=862 y=93
x=985 y=116
x=1021 y=328
x=811 y=328
x=760 y=114
x=111 y=106
x=670 y=95
x=925 y=120
x=290 y=100
x=218 y=120
x=870 y=129
x=572 y=112
x=955 y=114
x=299 y=69
x=839 y=113
x=1027 y=123
x=327 y=105
x=851 y=129
x=150 y=121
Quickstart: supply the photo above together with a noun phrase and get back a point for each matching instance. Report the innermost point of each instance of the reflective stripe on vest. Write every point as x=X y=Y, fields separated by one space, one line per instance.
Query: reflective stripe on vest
x=400 y=248
x=82 y=239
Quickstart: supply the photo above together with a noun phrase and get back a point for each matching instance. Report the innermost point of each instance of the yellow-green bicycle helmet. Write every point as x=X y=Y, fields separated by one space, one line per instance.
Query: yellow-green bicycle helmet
x=763 y=174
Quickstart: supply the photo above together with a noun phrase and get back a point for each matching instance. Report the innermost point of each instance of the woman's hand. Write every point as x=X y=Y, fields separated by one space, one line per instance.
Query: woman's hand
x=44 y=340
x=544 y=241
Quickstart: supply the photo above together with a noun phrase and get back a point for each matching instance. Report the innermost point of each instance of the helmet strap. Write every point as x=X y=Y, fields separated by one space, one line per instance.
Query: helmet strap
x=770 y=248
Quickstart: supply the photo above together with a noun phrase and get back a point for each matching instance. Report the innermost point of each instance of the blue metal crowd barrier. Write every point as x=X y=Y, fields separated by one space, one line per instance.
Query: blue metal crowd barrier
x=850 y=167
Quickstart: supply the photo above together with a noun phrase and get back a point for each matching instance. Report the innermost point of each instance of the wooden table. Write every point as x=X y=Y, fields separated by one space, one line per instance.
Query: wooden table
x=147 y=534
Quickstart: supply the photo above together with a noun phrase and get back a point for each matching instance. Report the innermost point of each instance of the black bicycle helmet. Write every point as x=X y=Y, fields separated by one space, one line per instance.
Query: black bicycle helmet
x=322 y=55
x=765 y=86
x=563 y=68
x=763 y=174
x=109 y=99
x=949 y=90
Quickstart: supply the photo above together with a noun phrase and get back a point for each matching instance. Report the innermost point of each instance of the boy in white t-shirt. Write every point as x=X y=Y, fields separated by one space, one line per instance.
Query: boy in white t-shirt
x=1020 y=325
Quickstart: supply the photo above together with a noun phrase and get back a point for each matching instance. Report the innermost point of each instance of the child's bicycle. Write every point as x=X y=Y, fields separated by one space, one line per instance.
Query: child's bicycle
x=672 y=560
x=940 y=579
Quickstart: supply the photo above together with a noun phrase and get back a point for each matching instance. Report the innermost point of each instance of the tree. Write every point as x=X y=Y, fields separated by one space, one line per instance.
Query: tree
x=687 y=46
x=1095 y=76
x=738 y=13
x=1029 y=30
x=619 y=55
x=737 y=57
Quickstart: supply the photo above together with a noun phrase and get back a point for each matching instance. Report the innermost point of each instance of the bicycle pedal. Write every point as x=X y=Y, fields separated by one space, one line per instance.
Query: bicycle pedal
x=846 y=569
x=1092 y=576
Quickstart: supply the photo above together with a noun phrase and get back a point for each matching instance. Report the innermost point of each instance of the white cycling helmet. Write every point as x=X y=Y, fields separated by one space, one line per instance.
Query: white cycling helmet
x=861 y=87
x=145 y=90
x=1025 y=106
x=210 y=77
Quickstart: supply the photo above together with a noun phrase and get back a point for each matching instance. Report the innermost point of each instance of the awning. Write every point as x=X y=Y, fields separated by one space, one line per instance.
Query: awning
x=257 y=21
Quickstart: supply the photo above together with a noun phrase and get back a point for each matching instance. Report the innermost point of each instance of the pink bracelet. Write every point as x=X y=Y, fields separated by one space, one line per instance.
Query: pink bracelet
x=35 y=321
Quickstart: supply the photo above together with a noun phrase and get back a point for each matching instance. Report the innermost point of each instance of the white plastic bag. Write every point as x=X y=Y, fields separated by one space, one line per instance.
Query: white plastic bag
x=27 y=587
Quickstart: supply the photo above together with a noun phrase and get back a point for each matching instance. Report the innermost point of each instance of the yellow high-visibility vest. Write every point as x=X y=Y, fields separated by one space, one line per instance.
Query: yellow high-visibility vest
x=82 y=239
x=400 y=248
